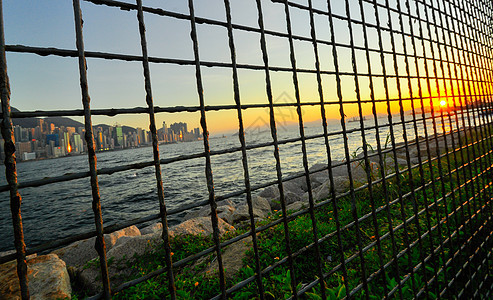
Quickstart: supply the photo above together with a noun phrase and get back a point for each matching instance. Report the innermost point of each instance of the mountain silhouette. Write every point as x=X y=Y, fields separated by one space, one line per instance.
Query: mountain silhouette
x=125 y=129
x=58 y=121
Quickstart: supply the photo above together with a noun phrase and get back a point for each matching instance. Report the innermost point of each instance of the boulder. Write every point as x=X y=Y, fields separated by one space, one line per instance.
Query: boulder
x=320 y=177
x=358 y=171
x=432 y=147
x=112 y=238
x=341 y=185
x=297 y=186
x=289 y=197
x=47 y=278
x=390 y=164
x=120 y=255
x=371 y=155
x=297 y=206
x=413 y=155
x=232 y=258
x=270 y=192
x=414 y=160
x=80 y=252
x=201 y=225
x=317 y=179
x=225 y=210
x=261 y=209
x=128 y=246
x=154 y=228
x=340 y=170
x=317 y=168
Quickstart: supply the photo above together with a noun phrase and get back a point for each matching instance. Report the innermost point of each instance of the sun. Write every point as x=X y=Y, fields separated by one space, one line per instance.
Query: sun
x=443 y=103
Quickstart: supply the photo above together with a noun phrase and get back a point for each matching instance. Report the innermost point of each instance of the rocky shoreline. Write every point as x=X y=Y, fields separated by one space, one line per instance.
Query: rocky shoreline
x=50 y=275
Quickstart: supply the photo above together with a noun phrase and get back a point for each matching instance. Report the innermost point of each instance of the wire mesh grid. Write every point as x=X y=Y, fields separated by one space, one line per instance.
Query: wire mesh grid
x=413 y=223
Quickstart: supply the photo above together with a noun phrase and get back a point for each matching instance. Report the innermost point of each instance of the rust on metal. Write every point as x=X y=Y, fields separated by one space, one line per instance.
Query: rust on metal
x=10 y=166
x=91 y=152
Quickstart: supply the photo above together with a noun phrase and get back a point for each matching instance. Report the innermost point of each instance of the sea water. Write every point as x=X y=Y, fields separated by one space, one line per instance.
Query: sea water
x=63 y=209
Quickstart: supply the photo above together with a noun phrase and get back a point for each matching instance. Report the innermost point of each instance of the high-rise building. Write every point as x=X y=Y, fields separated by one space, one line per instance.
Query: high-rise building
x=66 y=141
x=140 y=136
x=41 y=124
x=119 y=136
x=77 y=145
x=38 y=133
x=70 y=130
x=17 y=133
x=99 y=140
x=165 y=132
x=23 y=147
x=54 y=138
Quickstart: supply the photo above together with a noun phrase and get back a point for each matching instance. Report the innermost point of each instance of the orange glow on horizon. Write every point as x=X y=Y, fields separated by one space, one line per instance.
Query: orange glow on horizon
x=69 y=148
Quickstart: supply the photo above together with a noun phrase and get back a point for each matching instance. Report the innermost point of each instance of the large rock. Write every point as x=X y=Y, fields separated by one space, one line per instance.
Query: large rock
x=201 y=225
x=128 y=246
x=289 y=197
x=340 y=170
x=225 y=210
x=232 y=258
x=154 y=228
x=296 y=186
x=261 y=209
x=297 y=206
x=372 y=156
x=358 y=171
x=47 y=276
x=270 y=192
x=433 y=150
x=413 y=155
x=80 y=252
x=341 y=185
x=120 y=255
x=389 y=164
x=318 y=168
x=317 y=179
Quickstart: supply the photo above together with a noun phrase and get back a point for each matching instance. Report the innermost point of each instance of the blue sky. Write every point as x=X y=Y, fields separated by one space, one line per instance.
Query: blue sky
x=50 y=83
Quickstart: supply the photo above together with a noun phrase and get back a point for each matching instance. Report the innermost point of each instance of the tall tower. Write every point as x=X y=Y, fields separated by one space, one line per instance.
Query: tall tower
x=40 y=123
x=165 y=132
x=119 y=136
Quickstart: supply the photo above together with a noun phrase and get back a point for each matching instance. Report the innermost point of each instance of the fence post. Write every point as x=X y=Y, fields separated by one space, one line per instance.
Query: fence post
x=91 y=153
x=10 y=166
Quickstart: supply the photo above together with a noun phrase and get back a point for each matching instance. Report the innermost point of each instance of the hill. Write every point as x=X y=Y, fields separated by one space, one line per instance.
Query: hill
x=59 y=121
x=126 y=129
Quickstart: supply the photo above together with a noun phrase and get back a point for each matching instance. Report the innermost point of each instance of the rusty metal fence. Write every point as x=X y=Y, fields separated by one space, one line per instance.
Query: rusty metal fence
x=440 y=50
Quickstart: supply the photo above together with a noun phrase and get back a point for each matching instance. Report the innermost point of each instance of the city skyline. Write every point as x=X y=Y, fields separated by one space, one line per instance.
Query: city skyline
x=47 y=140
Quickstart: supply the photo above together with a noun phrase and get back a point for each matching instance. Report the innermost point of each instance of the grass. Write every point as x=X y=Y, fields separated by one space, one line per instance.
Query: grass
x=442 y=239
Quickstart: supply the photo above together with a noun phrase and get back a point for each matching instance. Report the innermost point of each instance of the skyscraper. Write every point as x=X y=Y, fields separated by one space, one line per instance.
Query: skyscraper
x=119 y=136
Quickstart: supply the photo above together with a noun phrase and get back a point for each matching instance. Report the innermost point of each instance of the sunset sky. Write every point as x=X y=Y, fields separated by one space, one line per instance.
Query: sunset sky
x=51 y=83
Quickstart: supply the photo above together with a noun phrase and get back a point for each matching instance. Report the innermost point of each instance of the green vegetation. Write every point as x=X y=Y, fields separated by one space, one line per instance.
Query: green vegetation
x=416 y=259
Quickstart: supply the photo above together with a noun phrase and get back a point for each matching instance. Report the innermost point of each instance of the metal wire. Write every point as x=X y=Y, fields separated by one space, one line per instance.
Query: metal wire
x=11 y=168
x=91 y=152
x=155 y=148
